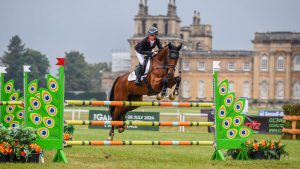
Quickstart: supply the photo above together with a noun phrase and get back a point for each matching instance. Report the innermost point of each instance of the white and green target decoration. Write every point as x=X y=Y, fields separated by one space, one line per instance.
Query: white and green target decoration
x=41 y=107
x=44 y=110
x=12 y=114
x=229 y=120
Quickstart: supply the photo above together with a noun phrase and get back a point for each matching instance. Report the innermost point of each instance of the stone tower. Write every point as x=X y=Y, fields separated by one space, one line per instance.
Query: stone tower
x=168 y=27
x=197 y=37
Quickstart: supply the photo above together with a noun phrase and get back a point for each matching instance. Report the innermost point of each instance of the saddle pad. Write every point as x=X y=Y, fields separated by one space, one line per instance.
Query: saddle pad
x=132 y=75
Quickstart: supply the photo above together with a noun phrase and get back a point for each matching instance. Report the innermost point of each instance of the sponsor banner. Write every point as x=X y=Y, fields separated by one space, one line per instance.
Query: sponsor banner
x=270 y=113
x=259 y=124
x=102 y=115
x=265 y=124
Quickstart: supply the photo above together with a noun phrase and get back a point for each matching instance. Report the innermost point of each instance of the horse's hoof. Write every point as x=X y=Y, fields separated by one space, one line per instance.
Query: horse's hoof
x=121 y=129
x=158 y=97
x=172 y=97
x=109 y=138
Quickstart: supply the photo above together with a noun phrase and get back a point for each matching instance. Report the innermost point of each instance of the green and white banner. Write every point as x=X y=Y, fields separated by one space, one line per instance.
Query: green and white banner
x=101 y=115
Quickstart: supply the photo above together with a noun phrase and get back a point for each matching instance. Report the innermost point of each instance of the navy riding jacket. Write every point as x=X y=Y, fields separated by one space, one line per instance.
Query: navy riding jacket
x=144 y=46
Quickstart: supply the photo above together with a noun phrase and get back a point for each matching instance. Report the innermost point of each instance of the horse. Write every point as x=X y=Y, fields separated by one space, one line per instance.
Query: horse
x=159 y=78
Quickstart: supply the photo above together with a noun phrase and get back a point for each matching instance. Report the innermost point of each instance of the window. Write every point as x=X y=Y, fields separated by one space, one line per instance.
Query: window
x=198 y=46
x=181 y=36
x=264 y=63
x=280 y=90
x=143 y=27
x=296 y=90
x=186 y=65
x=186 y=89
x=231 y=86
x=201 y=89
x=201 y=66
x=264 y=90
x=280 y=63
x=154 y=25
x=247 y=66
x=297 y=63
x=246 y=89
x=231 y=66
x=166 y=28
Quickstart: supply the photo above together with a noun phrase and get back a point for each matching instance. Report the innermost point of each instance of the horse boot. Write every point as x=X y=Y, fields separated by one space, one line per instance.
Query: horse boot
x=138 y=74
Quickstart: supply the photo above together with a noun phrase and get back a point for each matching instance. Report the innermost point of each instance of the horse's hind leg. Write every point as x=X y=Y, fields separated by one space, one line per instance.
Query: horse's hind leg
x=111 y=133
x=119 y=115
x=127 y=109
x=115 y=114
x=121 y=118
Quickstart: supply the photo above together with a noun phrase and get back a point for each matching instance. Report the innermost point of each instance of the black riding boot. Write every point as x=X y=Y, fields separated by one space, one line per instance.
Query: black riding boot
x=138 y=74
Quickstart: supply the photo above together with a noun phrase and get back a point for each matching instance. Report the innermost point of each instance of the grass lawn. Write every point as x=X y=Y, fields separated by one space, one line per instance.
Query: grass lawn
x=121 y=157
x=83 y=157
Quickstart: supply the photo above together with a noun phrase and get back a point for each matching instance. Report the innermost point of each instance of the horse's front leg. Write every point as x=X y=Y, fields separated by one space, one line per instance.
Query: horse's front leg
x=175 y=93
x=176 y=90
x=165 y=82
x=164 y=85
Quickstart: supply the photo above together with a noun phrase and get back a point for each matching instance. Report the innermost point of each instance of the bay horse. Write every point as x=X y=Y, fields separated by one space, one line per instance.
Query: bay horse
x=159 y=78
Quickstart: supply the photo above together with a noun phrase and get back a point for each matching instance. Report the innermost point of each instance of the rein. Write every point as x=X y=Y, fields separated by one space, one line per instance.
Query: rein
x=173 y=54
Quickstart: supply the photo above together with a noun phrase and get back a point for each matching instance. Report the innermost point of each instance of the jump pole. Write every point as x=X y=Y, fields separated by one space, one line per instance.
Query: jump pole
x=136 y=104
x=136 y=123
x=11 y=103
x=134 y=142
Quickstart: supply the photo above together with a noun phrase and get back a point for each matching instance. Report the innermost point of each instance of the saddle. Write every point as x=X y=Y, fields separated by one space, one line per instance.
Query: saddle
x=132 y=75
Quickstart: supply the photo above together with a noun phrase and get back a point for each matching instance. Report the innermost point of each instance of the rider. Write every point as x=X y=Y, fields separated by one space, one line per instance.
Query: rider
x=143 y=52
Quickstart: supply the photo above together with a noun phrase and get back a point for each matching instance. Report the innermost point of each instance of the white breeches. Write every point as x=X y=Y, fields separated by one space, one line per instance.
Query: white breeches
x=140 y=57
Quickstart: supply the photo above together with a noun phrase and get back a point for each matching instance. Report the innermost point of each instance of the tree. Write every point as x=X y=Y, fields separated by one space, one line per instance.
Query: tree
x=77 y=77
x=39 y=65
x=95 y=71
x=12 y=59
x=17 y=56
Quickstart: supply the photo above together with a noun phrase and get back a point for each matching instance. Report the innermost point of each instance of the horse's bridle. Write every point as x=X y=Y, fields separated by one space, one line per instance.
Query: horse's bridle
x=173 y=54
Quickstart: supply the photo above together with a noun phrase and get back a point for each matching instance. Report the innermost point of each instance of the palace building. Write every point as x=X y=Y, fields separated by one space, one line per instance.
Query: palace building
x=271 y=71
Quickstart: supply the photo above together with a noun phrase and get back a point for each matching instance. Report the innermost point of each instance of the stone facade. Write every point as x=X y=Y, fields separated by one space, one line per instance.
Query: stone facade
x=277 y=66
x=271 y=71
x=121 y=61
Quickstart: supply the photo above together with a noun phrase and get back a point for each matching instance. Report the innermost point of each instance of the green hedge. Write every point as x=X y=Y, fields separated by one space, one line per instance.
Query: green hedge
x=291 y=109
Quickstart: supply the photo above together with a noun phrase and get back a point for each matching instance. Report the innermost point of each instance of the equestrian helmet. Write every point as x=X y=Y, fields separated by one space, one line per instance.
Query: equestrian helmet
x=152 y=31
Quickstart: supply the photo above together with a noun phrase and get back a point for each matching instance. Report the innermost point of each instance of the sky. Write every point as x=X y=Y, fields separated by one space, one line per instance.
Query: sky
x=98 y=27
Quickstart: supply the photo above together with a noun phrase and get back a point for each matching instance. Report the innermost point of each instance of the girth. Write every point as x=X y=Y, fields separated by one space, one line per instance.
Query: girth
x=151 y=91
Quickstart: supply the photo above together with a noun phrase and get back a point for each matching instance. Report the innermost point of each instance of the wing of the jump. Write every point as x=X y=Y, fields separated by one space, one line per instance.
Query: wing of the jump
x=231 y=133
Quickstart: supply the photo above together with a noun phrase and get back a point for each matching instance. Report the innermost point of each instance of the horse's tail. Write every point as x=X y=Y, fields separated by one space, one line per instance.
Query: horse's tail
x=111 y=98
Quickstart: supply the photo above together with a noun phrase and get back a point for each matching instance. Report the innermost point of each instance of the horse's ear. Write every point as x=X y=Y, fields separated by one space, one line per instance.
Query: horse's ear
x=179 y=47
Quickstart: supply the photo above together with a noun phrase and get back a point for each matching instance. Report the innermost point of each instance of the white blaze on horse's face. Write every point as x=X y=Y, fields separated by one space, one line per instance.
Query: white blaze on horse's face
x=172 y=58
x=172 y=62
